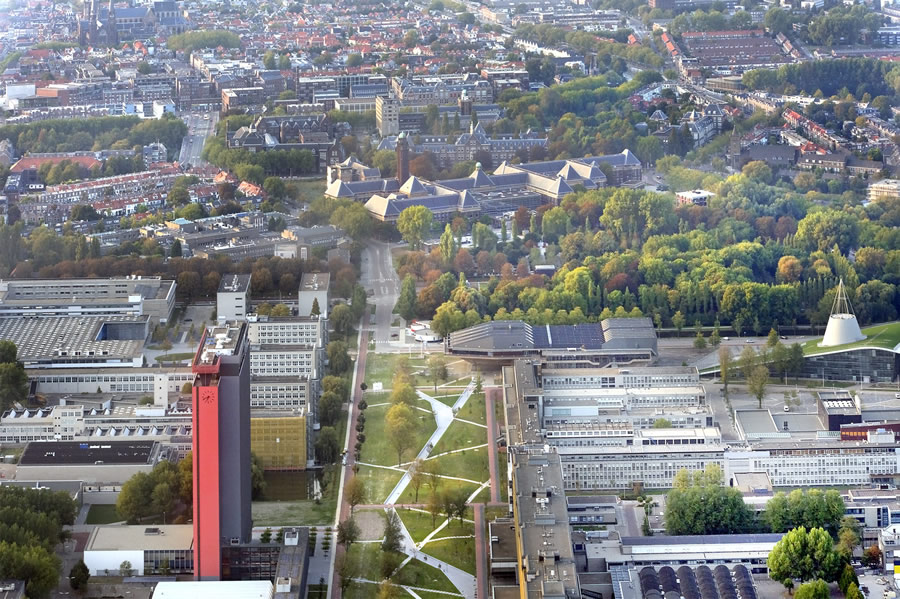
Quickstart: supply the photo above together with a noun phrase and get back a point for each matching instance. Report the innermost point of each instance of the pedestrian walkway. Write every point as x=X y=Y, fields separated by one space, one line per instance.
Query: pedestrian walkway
x=443 y=417
x=462 y=580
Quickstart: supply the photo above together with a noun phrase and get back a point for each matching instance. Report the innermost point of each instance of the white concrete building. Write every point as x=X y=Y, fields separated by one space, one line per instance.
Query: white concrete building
x=816 y=463
x=233 y=298
x=120 y=296
x=286 y=360
x=289 y=330
x=144 y=547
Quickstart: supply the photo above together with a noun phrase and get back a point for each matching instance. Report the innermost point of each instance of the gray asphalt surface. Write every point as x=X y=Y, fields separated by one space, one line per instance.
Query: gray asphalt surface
x=199 y=128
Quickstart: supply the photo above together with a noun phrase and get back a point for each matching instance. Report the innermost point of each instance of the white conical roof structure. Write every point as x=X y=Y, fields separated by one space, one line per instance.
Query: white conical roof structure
x=842 y=325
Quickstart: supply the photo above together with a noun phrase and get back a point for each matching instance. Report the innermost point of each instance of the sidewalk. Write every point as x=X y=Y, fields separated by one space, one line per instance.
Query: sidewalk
x=443 y=416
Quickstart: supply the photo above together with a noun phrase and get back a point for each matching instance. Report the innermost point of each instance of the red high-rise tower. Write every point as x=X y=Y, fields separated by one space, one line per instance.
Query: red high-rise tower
x=221 y=446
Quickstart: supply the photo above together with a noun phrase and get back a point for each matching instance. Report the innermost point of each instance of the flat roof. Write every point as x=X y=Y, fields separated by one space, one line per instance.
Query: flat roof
x=87 y=452
x=219 y=341
x=141 y=537
x=756 y=422
x=41 y=338
x=313 y=281
x=234 y=283
x=221 y=589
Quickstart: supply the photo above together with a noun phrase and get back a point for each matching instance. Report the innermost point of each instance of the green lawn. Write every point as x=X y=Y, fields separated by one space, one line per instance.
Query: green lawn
x=472 y=464
x=378 y=449
x=381 y=368
x=474 y=409
x=379 y=482
x=408 y=495
x=376 y=398
x=309 y=190
x=447 y=400
x=294 y=513
x=367 y=559
x=317 y=591
x=456 y=552
x=460 y=435
x=885 y=336
x=176 y=357
x=420 y=574
x=103 y=514
x=418 y=523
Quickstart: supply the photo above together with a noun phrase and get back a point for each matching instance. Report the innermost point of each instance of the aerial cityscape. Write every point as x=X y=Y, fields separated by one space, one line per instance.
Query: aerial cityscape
x=435 y=299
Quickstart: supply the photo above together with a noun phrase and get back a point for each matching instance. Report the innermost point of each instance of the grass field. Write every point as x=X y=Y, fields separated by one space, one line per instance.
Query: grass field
x=103 y=514
x=378 y=449
x=175 y=357
x=886 y=336
x=380 y=368
x=378 y=482
x=366 y=558
x=309 y=190
x=425 y=492
x=474 y=409
x=456 y=552
x=317 y=591
x=471 y=464
x=418 y=523
x=443 y=397
x=420 y=574
x=460 y=435
x=294 y=513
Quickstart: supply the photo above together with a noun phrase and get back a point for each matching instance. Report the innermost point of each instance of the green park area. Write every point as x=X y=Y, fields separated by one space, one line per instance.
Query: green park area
x=885 y=336
x=367 y=559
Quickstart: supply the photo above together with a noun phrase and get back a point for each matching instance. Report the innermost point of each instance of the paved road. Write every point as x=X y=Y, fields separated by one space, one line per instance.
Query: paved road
x=343 y=511
x=199 y=128
x=490 y=398
x=481 y=576
x=378 y=274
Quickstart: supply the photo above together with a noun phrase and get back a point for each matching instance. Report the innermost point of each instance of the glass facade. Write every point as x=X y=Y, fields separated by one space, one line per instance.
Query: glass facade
x=180 y=561
x=250 y=562
x=867 y=364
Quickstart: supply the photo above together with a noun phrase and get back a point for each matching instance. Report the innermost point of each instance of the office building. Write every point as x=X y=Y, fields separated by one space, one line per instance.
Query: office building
x=88 y=342
x=887 y=189
x=621 y=341
x=387 y=116
x=233 y=297
x=221 y=446
x=144 y=547
x=120 y=296
x=95 y=462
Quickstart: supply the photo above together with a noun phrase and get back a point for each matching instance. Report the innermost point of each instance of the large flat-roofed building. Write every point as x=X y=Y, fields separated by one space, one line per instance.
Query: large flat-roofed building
x=105 y=461
x=287 y=360
x=239 y=589
x=161 y=383
x=96 y=424
x=233 y=297
x=752 y=550
x=539 y=509
x=125 y=296
x=612 y=341
x=84 y=342
x=816 y=463
x=145 y=547
x=601 y=422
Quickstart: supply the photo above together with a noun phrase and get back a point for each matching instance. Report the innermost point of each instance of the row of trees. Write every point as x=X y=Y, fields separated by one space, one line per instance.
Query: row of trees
x=13 y=380
x=31 y=522
x=94 y=134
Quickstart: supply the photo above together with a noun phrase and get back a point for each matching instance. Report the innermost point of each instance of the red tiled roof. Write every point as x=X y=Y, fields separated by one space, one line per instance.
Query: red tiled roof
x=29 y=162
